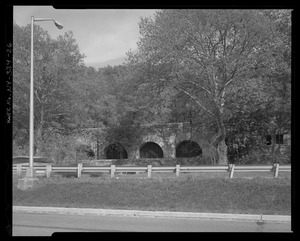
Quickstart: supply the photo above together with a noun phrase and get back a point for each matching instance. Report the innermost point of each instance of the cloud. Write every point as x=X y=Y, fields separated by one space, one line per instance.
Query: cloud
x=105 y=46
x=102 y=35
x=112 y=39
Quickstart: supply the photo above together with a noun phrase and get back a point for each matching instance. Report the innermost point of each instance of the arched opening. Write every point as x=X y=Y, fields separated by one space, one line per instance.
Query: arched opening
x=151 y=150
x=115 y=151
x=188 y=149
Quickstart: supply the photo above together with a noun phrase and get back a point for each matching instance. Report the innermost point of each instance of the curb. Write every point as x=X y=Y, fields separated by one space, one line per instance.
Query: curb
x=165 y=214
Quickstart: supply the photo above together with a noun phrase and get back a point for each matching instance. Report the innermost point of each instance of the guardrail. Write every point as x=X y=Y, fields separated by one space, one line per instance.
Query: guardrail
x=80 y=169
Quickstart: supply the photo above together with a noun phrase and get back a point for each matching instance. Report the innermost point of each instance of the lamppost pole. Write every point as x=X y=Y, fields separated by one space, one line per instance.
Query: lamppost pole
x=30 y=171
x=31 y=116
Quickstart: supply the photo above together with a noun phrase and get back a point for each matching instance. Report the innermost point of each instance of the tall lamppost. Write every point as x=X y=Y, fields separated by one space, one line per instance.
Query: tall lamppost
x=30 y=170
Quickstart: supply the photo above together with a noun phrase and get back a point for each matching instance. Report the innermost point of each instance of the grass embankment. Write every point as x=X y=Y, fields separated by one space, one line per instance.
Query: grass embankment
x=258 y=195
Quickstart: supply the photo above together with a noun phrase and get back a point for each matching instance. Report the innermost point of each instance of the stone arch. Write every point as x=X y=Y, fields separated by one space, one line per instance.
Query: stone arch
x=115 y=151
x=188 y=148
x=151 y=150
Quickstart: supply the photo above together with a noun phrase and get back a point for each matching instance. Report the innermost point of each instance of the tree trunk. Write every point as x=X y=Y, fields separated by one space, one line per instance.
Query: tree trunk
x=219 y=142
x=222 y=153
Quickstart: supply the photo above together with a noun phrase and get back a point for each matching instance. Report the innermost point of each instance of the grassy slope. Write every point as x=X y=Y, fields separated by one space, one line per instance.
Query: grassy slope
x=258 y=195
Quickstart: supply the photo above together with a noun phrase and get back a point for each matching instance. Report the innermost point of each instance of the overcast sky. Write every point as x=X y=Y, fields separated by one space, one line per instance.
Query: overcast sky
x=104 y=36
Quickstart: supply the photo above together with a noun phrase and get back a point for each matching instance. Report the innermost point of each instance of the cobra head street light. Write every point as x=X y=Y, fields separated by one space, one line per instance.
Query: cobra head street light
x=58 y=25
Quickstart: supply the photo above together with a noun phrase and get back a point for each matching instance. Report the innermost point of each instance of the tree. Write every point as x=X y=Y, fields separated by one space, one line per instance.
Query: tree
x=262 y=107
x=278 y=77
x=202 y=53
x=56 y=63
x=248 y=118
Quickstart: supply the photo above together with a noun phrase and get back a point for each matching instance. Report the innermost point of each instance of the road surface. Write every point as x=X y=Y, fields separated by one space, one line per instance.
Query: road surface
x=45 y=224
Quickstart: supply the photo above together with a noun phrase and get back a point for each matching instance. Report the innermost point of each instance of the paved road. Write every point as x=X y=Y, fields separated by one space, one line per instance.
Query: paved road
x=44 y=224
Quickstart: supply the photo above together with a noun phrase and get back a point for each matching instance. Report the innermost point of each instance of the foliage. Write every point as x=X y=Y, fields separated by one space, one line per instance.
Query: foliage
x=127 y=132
x=60 y=148
x=55 y=66
x=68 y=95
x=202 y=53
x=95 y=105
x=228 y=72
x=262 y=106
x=261 y=157
x=19 y=150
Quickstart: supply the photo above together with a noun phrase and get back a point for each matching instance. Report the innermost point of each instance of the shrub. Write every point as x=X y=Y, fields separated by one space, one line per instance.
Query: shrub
x=259 y=157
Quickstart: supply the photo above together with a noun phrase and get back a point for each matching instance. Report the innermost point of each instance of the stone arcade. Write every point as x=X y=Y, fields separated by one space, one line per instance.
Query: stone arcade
x=166 y=141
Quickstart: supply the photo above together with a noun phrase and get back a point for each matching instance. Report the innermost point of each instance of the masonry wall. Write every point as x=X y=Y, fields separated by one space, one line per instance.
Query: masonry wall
x=167 y=136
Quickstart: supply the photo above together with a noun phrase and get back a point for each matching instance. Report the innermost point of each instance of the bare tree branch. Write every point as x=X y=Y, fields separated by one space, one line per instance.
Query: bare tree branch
x=200 y=86
x=195 y=99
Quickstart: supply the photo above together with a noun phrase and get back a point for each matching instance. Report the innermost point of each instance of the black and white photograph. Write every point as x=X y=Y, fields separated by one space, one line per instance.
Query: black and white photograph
x=173 y=120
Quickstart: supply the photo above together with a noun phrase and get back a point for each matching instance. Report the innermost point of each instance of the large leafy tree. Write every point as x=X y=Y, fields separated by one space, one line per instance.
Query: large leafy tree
x=56 y=64
x=262 y=107
x=95 y=104
x=152 y=101
x=278 y=77
x=203 y=54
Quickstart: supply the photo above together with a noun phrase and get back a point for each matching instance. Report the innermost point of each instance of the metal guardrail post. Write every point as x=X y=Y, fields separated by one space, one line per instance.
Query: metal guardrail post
x=276 y=165
x=149 y=170
x=48 y=171
x=79 y=169
x=231 y=170
x=177 y=170
x=19 y=170
x=112 y=171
